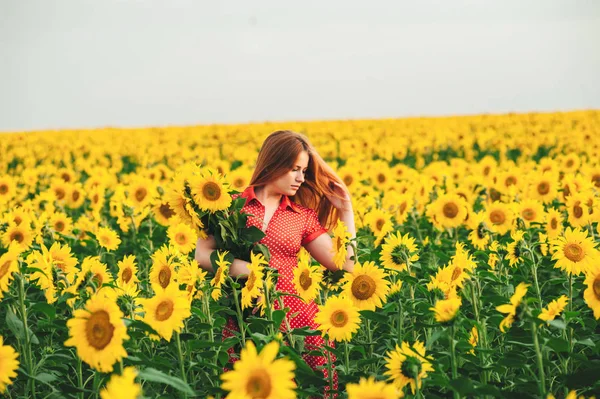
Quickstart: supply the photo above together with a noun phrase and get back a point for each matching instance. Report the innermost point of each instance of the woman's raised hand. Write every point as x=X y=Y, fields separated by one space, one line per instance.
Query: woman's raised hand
x=341 y=201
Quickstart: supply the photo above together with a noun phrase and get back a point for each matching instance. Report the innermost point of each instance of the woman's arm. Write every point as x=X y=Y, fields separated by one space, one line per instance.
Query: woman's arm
x=204 y=248
x=321 y=248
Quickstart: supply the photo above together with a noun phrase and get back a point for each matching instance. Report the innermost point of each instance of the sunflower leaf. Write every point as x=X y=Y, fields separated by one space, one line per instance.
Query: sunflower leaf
x=154 y=375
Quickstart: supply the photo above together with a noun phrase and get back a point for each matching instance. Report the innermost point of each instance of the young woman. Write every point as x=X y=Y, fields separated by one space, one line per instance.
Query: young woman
x=292 y=194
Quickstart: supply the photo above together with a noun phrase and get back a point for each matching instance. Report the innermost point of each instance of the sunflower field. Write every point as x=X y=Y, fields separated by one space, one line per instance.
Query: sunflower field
x=477 y=271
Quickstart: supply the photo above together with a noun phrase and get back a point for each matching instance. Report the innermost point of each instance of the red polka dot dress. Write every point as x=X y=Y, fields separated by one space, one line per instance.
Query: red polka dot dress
x=291 y=226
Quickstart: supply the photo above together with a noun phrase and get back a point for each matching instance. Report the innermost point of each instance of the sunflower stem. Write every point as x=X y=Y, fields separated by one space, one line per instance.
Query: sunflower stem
x=329 y=371
x=569 y=364
x=288 y=328
x=239 y=314
x=347 y=353
x=26 y=332
x=400 y=321
x=453 y=357
x=181 y=365
x=267 y=300
x=79 y=376
x=474 y=296
x=535 y=277
x=540 y=360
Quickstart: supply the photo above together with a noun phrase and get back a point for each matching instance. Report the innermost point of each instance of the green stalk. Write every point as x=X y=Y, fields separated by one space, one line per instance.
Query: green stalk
x=400 y=321
x=475 y=301
x=569 y=365
x=288 y=328
x=347 y=353
x=181 y=365
x=26 y=332
x=535 y=277
x=79 y=376
x=330 y=371
x=239 y=314
x=454 y=365
x=540 y=360
x=268 y=307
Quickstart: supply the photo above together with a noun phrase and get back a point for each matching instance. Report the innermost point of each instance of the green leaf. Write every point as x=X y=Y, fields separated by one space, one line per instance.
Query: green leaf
x=462 y=385
x=278 y=317
x=252 y=234
x=45 y=308
x=153 y=375
x=556 y=323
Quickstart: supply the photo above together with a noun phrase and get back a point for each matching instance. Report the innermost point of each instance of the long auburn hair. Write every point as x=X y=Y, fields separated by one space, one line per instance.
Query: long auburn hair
x=277 y=157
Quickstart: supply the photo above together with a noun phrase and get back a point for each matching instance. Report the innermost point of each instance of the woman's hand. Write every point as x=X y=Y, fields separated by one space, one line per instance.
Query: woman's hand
x=341 y=201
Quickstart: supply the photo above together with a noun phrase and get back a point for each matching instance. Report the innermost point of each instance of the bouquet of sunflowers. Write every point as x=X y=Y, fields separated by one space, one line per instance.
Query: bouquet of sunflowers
x=202 y=198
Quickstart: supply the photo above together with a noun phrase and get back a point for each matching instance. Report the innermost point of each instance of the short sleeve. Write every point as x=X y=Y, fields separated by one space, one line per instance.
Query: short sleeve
x=312 y=227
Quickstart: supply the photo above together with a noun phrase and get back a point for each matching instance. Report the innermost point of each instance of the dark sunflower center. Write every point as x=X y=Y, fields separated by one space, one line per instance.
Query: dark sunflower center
x=456 y=273
x=4 y=268
x=75 y=195
x=66 y=177
x=450 y=210
x=60 y=193
x=99 y=330
x=528 y=214
x=338 y=243
x=402 y=207
x=305 y=280
x=574 y=252
x=164 y=310
x=166 y=211
x=239 y=182
x=543 y=188
x=59 y=226
x=570 y=163
x=17 y=236
x=486 y=171
x=141 y=193
x=554 y=223
x=380 y=178
x=363 y=287
x=497 y=217
x=510 y=181
x=95 y=198
x=339 y=318
x=577 y=210
x=180 y=238
x=218 y=275
x=211 y=191
x=494 y=194
x=259 y=385
x=164 y=277
x=595 y=179
x=18 y=220
x=379 y=224
x=516 y=251
x=396 y=255
x=595 y=286
x=127 y=274
x=481 y=231
x=251 y=281
x=98 y=280
x=3 y=189
x=348 y=180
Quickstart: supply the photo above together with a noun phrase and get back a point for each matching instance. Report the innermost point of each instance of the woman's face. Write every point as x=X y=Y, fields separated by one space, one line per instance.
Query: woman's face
x=289 y=183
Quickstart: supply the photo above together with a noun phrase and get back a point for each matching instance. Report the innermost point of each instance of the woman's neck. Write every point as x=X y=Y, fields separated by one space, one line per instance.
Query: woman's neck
x=267 y=196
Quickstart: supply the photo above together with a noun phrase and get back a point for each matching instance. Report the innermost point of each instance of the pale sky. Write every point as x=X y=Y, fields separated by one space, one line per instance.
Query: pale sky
x=90 y=63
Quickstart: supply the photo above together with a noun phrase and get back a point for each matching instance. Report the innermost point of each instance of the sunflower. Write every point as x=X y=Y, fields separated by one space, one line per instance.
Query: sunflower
x=254 y=281
x=367 y=286
x=554 y=223
x=182 y=237
x=338 y=318
x=108 y=238
x=399 y=205
x=166 y=310
x=43 y=276
x=220 y=275
x=447 y=211
x=341 y=238
x=592 y=293
x=9 y=264
x=17 y=216
x=530 y=211
x=570 y=163
x=371 y=389
x=479 y=235
x=378 y=221
x=210 y=192
x=141 y=192
x=177 y=201
x=240 y=178
x=97 y=271
x=8 y=365
x=307 y=280
x=21 y=235
x=163 y=213
x=61 y=223
x=396 y=250
x=498 y=217
x=514 y=248
x=405 y=365
x=473 y=339
x=162 y=272
x=60 y=188
x=554 y=308
x=8 y=188
x=574 y=251
x=446 y=309
x=63 y=260
x=260 y=375
x=76 y=196
x=510 y=309
x=98 y=332
x=577 y=210
x=543 y=187
x=122 y=386
x=127 y=273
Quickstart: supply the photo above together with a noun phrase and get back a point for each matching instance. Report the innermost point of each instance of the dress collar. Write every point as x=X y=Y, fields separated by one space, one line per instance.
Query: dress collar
x=250 y=195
